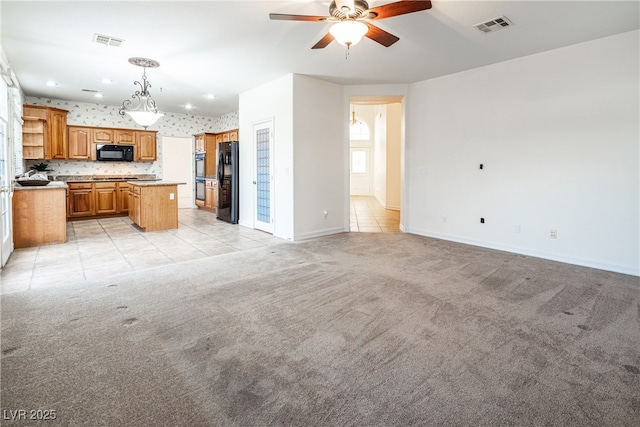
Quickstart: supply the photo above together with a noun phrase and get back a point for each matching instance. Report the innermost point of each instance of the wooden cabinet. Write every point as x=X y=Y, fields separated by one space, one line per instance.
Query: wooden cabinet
x=154 y=207
x=46 y=136
x=57 y=134
x=210 y=195
x=145 y=146
x=206 y=143
x=199 y=143
x=39 y=216
x=103 y=136
x=125 y=137
x=91 y=199
x=44 y=133
x=34 y=137
x=134 y=204
x=233 y=135
x=105 y=198
x=80 y=200
x=123 y=197
x=79 y=143
x=218 y=137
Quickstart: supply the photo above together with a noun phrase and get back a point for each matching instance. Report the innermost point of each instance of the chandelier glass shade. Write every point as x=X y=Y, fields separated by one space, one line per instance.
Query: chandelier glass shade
x=143 y=108
x=348 y=32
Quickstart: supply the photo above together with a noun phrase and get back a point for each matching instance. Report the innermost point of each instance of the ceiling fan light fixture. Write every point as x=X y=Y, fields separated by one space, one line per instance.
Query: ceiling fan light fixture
x=348 y=32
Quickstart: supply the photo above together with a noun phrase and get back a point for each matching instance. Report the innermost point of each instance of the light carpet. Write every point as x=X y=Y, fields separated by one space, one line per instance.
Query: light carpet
x=344 y=330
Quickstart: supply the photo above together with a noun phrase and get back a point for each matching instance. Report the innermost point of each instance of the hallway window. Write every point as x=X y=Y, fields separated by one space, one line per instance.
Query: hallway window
x=359 y=131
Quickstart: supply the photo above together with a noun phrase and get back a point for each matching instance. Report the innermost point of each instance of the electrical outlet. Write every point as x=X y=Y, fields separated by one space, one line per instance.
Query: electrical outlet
x=516 y=228
x=444 y=219
x=325 y=213
x=481 y=220
x=553 y=234
x=172 y=196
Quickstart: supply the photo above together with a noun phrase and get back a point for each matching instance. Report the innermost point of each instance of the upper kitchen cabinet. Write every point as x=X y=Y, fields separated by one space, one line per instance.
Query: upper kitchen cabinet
x=199 y=143
x=44 y=133
x=79 y=143
x=125 y=137
x=103 y=135
x=146 y=146
x=83 y=141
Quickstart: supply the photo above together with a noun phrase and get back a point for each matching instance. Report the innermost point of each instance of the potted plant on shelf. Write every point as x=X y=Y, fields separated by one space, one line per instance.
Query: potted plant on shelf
x=40 y=167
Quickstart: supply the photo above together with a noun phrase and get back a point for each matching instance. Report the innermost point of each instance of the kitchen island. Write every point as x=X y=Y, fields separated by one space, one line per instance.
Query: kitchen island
x=153 y=205
x=39 y=215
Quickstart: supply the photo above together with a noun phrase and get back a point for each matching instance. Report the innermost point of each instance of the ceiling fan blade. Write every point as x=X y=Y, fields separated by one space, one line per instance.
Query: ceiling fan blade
x=324 y=42
x=381 y=36
x=399 y=8
x=288 y=17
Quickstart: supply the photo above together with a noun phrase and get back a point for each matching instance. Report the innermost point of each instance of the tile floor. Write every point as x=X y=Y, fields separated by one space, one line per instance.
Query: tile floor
x=367 y=215
x=99 y=247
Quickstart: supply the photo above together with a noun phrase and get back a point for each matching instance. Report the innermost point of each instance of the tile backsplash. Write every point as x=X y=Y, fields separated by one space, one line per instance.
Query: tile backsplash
x=87 y=114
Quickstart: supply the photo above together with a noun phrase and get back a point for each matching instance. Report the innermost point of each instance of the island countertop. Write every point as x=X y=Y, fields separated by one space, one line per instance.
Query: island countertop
x=53 y=185
x=160 y=183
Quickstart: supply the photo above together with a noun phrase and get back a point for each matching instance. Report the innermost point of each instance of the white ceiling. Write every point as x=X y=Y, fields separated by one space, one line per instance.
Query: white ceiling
x=228 y=47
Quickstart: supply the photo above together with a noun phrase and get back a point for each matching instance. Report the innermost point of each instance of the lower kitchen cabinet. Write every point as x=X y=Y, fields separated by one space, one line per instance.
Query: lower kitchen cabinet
x=123 y=197
x=105 y=198
x=92 y=199
x=154 y=206
x=210 y=195
x=80 y=200
x=39 y=215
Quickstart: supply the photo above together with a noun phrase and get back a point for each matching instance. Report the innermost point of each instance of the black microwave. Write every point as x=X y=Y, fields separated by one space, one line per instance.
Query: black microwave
x=114 y=153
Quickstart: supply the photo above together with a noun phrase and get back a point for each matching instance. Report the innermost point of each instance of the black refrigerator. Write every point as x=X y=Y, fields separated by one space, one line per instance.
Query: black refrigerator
x=228 y=181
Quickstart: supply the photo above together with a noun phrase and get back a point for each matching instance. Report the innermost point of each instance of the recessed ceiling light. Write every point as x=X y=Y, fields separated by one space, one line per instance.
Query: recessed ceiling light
x=188 y=106
x=51 y=83
x=98 y=95
x=210 y=96
x=106 y=81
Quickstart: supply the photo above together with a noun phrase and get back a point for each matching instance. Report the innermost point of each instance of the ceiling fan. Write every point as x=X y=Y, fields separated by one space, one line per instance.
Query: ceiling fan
x=351 y=20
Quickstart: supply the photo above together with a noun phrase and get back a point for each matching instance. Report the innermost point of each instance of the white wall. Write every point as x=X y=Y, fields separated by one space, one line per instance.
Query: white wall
x=308 y=154
x=318 y=146
x=270 y=101
x=558 y=135
x=393 y=155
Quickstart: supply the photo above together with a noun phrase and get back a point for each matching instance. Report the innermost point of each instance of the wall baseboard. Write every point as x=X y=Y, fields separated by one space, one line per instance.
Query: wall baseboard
x=319 y=233
x=544 y=255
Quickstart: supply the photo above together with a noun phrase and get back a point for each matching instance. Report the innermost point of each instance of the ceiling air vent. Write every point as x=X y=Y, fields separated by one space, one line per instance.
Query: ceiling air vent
x=494 y=24
x=107 y=40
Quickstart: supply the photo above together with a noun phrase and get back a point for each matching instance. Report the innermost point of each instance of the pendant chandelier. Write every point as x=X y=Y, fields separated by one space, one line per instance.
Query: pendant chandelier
x=144 y=112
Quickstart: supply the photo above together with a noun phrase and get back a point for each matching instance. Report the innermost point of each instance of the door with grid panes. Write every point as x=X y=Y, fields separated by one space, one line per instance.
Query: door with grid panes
x=263 y=180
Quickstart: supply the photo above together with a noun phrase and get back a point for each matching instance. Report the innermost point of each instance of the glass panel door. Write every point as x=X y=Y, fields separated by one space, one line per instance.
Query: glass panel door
x=263 y=176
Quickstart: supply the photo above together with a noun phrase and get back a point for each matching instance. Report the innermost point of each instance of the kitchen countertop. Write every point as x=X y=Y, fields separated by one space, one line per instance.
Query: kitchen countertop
x=94 y=178
x=53 y=185
x=158 y=183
